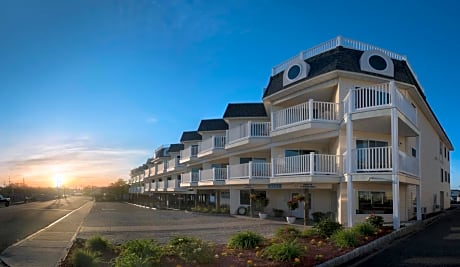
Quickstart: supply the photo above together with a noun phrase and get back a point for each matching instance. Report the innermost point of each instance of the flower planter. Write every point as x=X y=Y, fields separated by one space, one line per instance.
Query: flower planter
x=262 y=216
x=290 y=219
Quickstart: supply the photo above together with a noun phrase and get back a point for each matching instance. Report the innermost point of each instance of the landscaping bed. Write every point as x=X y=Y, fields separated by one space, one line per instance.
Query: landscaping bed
x=289 y=247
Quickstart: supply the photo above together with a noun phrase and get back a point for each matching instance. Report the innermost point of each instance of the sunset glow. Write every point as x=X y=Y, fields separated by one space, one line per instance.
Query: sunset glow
x=58 y=180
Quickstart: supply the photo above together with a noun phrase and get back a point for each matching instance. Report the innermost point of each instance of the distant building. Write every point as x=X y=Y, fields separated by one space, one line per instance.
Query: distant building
x=342 y=124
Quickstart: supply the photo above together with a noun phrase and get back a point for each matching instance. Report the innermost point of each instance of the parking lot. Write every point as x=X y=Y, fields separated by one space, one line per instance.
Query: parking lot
x=121 y=221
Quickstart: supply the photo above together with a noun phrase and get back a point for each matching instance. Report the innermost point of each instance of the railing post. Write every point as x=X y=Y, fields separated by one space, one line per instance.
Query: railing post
x=339 y=40
x=273 y=167
x=312 y=163
x=250 y=170
x=228 y=172
x=310 y=109
x=393 y=93
x=272 y=120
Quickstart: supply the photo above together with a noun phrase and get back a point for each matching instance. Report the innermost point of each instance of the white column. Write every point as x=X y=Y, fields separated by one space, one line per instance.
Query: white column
x=310 y=109
x=312 y=163
x=349 y=157
x=395 y=158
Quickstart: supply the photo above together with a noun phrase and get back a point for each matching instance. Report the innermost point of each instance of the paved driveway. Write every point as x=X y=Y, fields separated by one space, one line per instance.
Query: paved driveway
x=436 y=245
x=120 y=222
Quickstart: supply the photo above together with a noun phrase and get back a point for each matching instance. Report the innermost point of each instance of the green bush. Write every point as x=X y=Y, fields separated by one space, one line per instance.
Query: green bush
x=84 y=258
x=327 y=227
x=309 y=232
x=364 y=228
x=345 y=238
x=98 y=244
x=245 y=240
x=283 y=251
x=190 y=249
x=143 y=252
x=318 y=216
x=375 y=220
x=287 y=233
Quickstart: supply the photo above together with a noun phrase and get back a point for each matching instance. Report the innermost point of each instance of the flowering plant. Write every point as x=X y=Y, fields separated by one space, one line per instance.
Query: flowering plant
x=292 y=204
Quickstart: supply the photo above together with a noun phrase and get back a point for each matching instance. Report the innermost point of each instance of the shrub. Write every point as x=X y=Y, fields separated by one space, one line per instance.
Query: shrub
x=190 y=249
x=97 y=244
x=287 y=233
x=375 y=220
x=85 y=258
x=318 y=216
x=309 y=232
x=345 y=238
x=364 y=228
x=283 y=251
x=143 y=252
x=245 y=240
x=327 y=227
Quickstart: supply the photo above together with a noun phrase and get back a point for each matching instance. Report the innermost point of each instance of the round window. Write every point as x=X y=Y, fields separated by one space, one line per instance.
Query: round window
x=377 y=62
x=293 y=72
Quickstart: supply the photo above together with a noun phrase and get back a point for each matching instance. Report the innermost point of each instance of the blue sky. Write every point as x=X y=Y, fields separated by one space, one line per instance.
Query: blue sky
x=89 y=89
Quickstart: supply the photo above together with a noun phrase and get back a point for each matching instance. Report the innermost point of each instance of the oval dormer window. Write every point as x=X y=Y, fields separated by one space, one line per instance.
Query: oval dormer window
x=293 y=72
x=377 y=62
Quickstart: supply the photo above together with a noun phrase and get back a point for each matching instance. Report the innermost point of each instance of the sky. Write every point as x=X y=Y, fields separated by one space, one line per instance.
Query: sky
x=89 y=89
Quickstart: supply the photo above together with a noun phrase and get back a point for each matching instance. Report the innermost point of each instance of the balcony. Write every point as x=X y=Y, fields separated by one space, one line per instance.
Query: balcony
x=380 y=96
x=162 y=167
x=188 y=154
x=248 y=133
x=211 y=145
x=173 y=185
x=190 y=178
x=310 y=164
x=310 y=115
x=213 y=176
x=379 y=159
x=162 y=185
x=250 y=173
x=174 y=164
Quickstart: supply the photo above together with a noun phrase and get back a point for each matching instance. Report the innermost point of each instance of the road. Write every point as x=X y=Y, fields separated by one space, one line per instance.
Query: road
x=20 y=221
x=436 y=245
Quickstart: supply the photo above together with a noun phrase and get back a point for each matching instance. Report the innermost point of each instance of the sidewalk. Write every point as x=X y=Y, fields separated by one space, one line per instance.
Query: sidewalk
x=48 y=246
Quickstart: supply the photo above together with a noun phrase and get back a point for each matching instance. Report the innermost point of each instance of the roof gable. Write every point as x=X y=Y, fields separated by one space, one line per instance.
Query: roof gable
x=213 y=125
x=238 y=110
x=190 y=136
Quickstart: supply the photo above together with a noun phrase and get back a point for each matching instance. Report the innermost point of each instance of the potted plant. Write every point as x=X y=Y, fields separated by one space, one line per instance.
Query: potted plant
x=292 y=205
x=261 y=202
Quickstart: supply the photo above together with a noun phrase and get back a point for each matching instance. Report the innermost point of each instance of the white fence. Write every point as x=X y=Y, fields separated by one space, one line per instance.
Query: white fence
x=249 y=129
x=214 y=174
x=251 y=170
x=308 y=164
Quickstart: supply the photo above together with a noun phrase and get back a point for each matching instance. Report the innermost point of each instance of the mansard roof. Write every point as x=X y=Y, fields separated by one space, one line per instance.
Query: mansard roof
x=245 y=110
x=212 y=125
x=346 y=59
x=176 y=147
x=190 y=136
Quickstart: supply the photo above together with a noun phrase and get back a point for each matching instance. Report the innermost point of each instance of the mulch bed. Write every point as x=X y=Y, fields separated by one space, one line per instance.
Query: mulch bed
x=316 y=251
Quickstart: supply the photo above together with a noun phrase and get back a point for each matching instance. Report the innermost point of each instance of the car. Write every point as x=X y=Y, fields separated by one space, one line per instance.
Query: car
x=5 y=200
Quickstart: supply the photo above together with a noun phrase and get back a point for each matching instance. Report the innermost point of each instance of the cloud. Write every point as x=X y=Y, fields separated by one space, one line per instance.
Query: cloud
x=151 y=120
x=77 y=159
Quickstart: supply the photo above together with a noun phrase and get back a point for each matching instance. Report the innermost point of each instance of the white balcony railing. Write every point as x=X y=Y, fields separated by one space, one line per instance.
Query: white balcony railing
x=331 y=44
x=251 y=170
x=161 y=185
x=408 y=164
x=172 y=184
x=248 y=130
x=305 y=112
x=378 y=96
x=214 y=174
x=373 y=159
x=173 y=164
x=162 y=167
x=309 y=164
x=214 y=142
x=190 y=177
x=188 y=153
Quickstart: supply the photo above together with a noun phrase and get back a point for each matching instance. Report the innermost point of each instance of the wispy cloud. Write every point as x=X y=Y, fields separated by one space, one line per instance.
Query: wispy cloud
x=151 y=120
x=77 y=159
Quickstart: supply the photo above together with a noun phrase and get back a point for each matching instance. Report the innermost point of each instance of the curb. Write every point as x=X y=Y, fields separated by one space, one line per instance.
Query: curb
x=379 y=243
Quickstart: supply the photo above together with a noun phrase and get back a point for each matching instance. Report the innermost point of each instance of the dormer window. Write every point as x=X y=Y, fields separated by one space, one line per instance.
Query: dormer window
x=376 y=61
x=293 y=72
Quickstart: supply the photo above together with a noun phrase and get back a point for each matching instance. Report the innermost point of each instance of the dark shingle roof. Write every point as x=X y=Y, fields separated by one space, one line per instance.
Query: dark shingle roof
x=345 y=59
x=190 y=136
x=176 y=147
x=246 y=110
x=212 y=125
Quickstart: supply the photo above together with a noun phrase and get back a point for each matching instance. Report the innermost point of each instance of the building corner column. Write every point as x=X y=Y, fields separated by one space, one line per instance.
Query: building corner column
x=395 y=157
x=348 y=167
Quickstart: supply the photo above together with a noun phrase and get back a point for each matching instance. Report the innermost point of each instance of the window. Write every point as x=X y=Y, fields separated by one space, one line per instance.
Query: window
x=414 y=152
x=377 y=62
x=445 y=176
x=293 y=72
x=374 y=202
x=445 y=152
x=244 y=197
x=442 y=173
x=296 y=152
x=440 y=148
